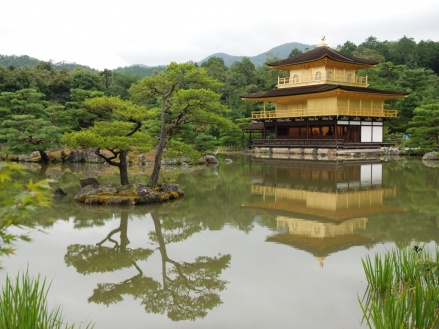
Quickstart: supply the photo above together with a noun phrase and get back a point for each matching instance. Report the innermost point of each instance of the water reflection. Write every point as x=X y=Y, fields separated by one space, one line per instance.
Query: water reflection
x=323 y=207
x=186 y=289
x=154 y=265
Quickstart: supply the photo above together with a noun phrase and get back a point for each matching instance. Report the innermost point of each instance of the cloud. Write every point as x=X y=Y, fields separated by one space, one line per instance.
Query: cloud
x=112 y=33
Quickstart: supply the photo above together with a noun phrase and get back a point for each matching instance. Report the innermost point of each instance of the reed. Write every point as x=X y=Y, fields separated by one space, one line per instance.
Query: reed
x=403 y=290
x=388 y=312
x=379 y=272
x=24 y=304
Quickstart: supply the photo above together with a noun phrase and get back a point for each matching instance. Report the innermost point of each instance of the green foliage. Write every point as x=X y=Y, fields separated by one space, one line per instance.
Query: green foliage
x=405 y=65
x=87 y=80
x=295 y=52
x=424 y=128
x=17 y=201
x=75 y=115
x=179 y=150
x=17 y=61
x=118 y=83
x=100 y=259
x=347 y=48
x=139 y=70
x=24 y=304
x=109 y=135
x=24 y=60
x=186 y=290
x=421 y=84
x=216 y=68
x=186 y=94
x=26 y=124
x=117 y=137
x=205 y=142
x=403 y=289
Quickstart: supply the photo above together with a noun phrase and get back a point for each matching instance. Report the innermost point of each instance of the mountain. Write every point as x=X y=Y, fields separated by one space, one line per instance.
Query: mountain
x=280 y=52
x=140 y=69
x=24 y=60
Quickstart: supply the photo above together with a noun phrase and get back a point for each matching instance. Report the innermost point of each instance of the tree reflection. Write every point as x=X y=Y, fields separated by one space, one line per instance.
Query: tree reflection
x=185 y=291
x=188 y=290
x=99 y=258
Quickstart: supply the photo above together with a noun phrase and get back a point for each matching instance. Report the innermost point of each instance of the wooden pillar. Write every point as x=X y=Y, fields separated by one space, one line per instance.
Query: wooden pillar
x=307 y=129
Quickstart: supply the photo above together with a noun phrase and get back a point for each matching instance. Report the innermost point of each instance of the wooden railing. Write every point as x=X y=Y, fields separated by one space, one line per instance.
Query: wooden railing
x=303 y=80
x=314 y=112
x=299 y=142
x=315 y=143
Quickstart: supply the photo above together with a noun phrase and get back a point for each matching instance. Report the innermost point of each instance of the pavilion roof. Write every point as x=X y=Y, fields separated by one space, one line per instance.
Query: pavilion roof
x=319 y=53
x=321 y=247
x=314 y=89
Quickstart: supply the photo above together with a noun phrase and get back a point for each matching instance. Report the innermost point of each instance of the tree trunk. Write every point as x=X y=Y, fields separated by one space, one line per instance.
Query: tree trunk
x=44 y=157
x=160 y=149
x=124 y=241
x=123 y=168
x=162 y=247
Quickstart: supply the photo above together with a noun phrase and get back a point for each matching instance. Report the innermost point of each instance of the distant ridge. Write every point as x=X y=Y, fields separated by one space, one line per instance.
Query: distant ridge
x=279 y=52
x=24 y=60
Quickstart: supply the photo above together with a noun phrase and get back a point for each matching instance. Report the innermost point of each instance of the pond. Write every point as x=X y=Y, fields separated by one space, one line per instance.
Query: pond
x=253 y=244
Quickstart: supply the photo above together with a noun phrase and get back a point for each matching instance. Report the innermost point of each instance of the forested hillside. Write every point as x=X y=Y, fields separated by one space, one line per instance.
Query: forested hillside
x=281 y=51
x=39 y=101
x=24 y=60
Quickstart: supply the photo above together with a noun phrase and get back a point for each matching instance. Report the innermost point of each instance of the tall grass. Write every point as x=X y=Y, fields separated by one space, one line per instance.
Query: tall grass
x=24 y=305
x=403 y=290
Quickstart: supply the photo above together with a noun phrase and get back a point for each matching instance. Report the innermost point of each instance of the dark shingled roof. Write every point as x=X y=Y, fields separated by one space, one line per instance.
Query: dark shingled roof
x=254 y=126
x=296 y=91
x=319 y=53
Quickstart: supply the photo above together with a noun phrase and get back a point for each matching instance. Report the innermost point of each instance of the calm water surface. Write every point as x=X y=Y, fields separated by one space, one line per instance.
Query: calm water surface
x=253 y=244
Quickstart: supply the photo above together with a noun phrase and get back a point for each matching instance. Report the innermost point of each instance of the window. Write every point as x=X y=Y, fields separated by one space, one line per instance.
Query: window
x=295 y=78
x=330 y=75
x=318 y=75
x=349 y=77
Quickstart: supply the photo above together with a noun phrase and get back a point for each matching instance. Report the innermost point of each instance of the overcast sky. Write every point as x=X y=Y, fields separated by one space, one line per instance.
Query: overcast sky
x=116 y=33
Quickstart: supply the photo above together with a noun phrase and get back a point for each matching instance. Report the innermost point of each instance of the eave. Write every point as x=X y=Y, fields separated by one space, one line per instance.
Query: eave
x=324 y=90
x=320 y=54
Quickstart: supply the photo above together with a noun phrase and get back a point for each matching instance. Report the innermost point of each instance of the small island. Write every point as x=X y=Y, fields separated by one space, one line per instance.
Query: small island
x=93 y=193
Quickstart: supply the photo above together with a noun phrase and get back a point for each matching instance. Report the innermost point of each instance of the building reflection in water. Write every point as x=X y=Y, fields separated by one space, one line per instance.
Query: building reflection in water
x=322 y=207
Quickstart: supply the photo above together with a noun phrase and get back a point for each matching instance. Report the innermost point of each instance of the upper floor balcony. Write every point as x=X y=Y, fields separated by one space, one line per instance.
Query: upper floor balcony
x=320 y=112
x=297 y=80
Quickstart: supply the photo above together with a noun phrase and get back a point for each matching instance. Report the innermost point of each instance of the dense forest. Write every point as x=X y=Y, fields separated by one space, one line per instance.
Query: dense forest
x=42 y=101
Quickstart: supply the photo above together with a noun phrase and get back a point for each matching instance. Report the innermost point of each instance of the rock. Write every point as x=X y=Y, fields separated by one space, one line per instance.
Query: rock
x=88 y=181
x=58 y=193
x=142 y=159
x=74 y=156
x=430 y=163
x=86 y=155
x=31 y=157
x=430 y=156
x=132 y=194
x=210 y=159
x=169 y=188
x=169 y=162
x=228 y=161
